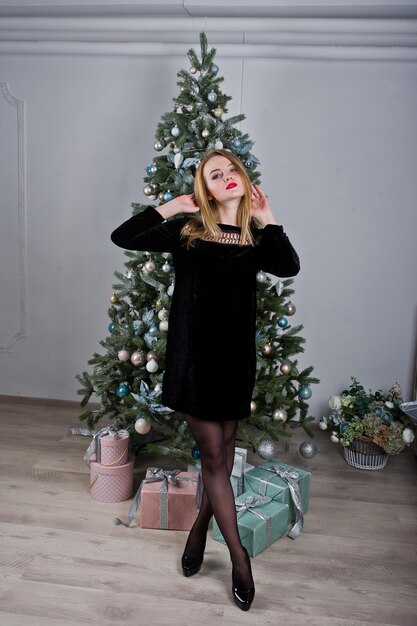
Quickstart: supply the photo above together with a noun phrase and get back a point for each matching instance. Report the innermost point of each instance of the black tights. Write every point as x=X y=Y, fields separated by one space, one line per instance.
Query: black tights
x=216 y=442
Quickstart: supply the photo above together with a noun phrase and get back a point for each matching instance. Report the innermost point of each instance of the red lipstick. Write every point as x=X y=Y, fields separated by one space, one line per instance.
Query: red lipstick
x=231 y=185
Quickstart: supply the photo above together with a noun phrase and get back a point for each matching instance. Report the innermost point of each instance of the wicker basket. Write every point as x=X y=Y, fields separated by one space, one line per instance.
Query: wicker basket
x=363 y=453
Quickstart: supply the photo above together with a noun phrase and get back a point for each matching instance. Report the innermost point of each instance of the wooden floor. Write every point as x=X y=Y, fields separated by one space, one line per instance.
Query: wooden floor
x=63 y=562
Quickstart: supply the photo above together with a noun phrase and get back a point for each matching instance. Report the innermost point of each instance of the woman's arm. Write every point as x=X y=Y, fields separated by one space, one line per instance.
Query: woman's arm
x=148 y=230
x=275 y=252
x=276 y=255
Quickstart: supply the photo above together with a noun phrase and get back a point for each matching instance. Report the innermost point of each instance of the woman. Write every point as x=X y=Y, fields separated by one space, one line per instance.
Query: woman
x=211 y=354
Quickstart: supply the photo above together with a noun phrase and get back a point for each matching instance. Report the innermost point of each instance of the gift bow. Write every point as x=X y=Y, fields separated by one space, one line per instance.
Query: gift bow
x=168 y=477
x=94 y=447
x=249 y=505
x=291 y=477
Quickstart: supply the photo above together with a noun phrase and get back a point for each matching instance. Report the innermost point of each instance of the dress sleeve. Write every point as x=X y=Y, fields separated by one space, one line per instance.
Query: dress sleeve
x=275 y=252
x=148 y=231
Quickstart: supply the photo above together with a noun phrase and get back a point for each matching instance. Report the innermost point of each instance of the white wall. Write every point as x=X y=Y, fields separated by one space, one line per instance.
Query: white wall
x=335 y=130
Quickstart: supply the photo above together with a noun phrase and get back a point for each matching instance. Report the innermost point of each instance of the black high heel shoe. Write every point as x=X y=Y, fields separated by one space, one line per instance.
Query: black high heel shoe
x=191 y=565
x=243 y=597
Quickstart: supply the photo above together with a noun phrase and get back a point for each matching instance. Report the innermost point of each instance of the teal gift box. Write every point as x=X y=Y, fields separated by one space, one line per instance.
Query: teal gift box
x=260 y=520
x=264 y=481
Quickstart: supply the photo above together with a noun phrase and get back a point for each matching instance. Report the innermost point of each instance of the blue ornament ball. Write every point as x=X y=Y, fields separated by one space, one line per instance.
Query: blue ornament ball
x=168 y=196
x=282 y=322
x=212 y=97
x=237 y=142
x=148 y=169
x=214 y=68
x=154 y=330
x=195 y=453
x=304 y=393
x=122 y=390
x=111 y=327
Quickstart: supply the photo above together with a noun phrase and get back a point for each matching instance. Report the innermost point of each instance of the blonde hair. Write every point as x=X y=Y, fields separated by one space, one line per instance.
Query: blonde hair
x=205 y=222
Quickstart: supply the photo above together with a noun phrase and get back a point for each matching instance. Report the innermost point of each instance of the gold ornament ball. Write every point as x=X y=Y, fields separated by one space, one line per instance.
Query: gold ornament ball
x=285 y=368
x=280 y=415
x=190 y=108
x=290 y=308
x=147 y=190
x=113 y=298
x=151 y=356
x=159 y=303
x=267 y=350
x=218 y=111
x=137 y=358
x=163 y=325
x=253 y=406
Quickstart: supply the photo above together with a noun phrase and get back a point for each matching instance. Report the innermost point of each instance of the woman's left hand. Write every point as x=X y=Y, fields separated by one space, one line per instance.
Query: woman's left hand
x=260 y=206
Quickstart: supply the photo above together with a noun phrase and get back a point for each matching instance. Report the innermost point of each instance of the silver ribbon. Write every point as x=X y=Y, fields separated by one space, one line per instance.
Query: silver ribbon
x=168 y=477
x=248 y=506
x=291 y=477
x=95 y=448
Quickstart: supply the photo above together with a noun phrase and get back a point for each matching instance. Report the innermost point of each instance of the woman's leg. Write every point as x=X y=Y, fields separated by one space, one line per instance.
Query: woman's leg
x=210 y=438
x=197 y=538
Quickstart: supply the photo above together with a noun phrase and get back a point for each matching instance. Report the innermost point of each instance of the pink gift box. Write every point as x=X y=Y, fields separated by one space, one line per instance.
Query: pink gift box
x=111 y=484
x=168 y=506
x=114 y=451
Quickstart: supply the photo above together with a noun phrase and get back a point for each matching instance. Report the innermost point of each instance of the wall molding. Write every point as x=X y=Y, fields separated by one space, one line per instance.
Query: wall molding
x=291 y=38
x=7 y=345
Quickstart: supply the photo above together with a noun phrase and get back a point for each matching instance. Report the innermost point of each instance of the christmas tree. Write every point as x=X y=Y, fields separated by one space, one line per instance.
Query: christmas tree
x=128 y=376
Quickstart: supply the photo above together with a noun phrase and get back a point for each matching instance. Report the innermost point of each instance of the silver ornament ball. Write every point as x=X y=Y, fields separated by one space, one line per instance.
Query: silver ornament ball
x=147 y=190
x=261 y=277
x=193 y=69
x=308 y=449
x=158 y=145
x=290 y=308
x=205 y=133
x=175 y=131
x=137 y=358
x=267 y=449
x=166 y=268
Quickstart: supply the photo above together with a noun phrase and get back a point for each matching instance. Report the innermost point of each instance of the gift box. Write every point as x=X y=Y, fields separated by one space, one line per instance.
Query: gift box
x=110 y=447
x=111 y=484
x=283 y=483
x=261 y=521
x=240 y=468
x=168 y=499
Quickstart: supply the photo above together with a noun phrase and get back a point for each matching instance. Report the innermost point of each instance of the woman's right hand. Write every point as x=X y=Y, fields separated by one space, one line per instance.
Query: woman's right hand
x=181 y=204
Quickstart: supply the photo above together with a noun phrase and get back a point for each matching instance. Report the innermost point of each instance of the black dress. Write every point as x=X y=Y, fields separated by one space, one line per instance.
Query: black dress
x=210 y=361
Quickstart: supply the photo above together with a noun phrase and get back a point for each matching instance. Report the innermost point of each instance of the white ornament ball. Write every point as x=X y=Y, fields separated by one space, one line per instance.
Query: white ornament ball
x=280 y=415
x=175 y=131
x=163 y=314
x=123 y=355
x=149 y=266
x=193 y=69
x=308 y=449
x=261 y=277
x=142 y=426
x=170 y=290
x=158 y=387
x=323 y=424
x=152 y=366
x=253 y=406
x=205 y=133
x=163 y=325
x=267 y=449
